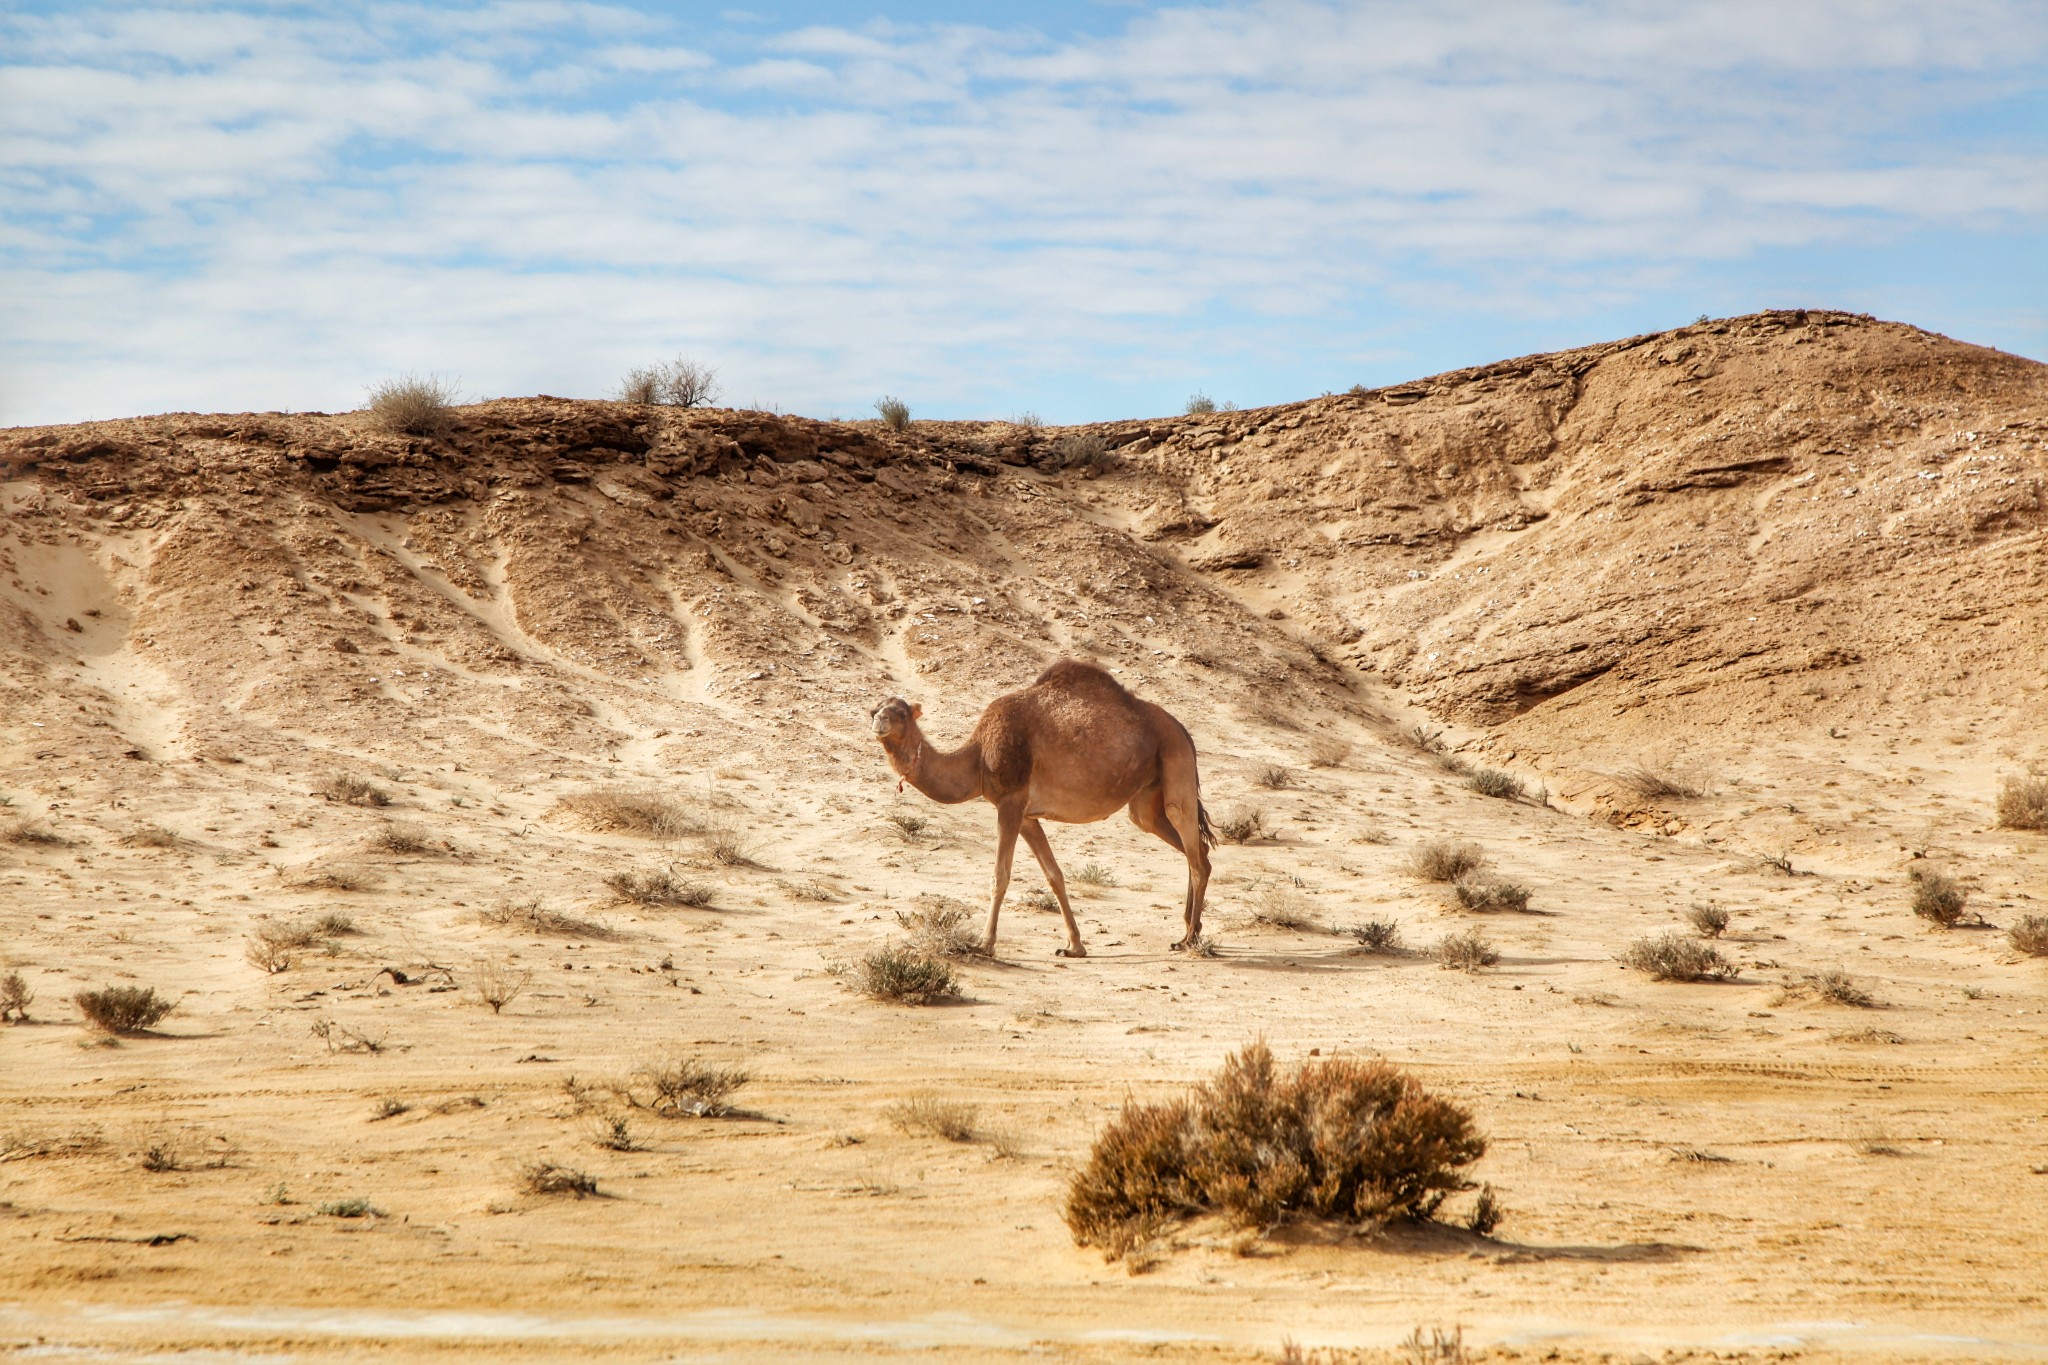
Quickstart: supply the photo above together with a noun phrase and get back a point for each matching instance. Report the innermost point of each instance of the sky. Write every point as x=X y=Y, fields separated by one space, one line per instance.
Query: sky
x=1081 y=209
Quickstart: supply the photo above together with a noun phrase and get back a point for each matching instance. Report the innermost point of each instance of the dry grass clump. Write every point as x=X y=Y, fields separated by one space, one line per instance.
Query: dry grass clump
x=931 y=1116
x=2029 y=935
x=1479 y=892
x=548 y=1177
x=404 y=840
x=908 y=823
x=330 y=877
x=30 y=833
x=1710 y=920
x=530 y=916
x=497 y=982
x=357 y=1207
x=2023 y=802
x=622 y=810
x=942 y=927
x=659 y=886
x=123 y=1009
x=732 y=844
x=1466 y=952
x=684 y=1087
x=1445 y=860
x=1327 y=751
x=1494 y=782
x=414 y=405
x=15 y=998
x=150 y=836
x=1378 y=936
x=1281 y=907
x=351 y=790
x=1658 y=784
x=1677 y=957
x=1336 y=1138
x=677 y=383
x=1837 y=987
x=902 y=974
x=1082 y=450
x=894 y=412
x=1937 y=897
x=1273 y=777
x=1094 y=874
x=1241 y=825
x=1199 y=405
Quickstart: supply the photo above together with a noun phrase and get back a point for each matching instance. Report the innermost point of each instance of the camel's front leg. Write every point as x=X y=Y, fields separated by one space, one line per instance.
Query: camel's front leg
x=1041 y=848
x=1009 y=819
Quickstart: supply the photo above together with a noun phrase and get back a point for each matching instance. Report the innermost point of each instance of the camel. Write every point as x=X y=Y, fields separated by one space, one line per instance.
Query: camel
x=1073 y=747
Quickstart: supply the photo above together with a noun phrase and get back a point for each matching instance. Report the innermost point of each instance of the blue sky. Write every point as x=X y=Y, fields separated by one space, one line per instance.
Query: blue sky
x=1083 y=210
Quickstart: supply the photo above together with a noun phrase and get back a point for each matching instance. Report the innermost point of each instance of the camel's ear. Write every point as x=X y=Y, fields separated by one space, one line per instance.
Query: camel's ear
x=915 y=710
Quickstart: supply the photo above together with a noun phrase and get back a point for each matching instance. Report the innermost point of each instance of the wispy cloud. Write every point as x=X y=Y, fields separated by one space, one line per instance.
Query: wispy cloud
x=264 y=206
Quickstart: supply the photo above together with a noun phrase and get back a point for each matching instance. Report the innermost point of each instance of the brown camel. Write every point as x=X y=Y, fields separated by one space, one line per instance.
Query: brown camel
x=1073 y=747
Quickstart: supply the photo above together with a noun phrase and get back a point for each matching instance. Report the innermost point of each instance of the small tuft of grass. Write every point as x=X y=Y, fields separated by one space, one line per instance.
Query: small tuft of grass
x=357 y=1207
x=927 y=1115
x=404 y=840
x=902 y=974
x=1094 y=874
x=685 y=1087
x=2029 y=935
x=390 y=1107
x=1281 y=907
x=150 y=836
x=530 y=916
x=1837 y=987
x=123 y=1009
x=498 y=983
x=624 y=810
x=908 y=823
x=1241 y=825
x=30 y=834
x=1273 y=777
x=548 y=1177
x=1937 y=897
x=413 y=405
x=894 y=412
x=1445 y=860
x=659 y=887
x=616 y=1135
x=1476 y=891
x=351 y=790
x=1494 y=782
x=2023 y=802
x=1677 y=957
x=942 y=927
x=1378 y=936
x=335 y=924
x=1041 y=898
x=1711 y=921
x=731 y=844
x=811 y=889
x=329 y=877
x=1658 y=784
x=1466 y=952
x=1327 y=751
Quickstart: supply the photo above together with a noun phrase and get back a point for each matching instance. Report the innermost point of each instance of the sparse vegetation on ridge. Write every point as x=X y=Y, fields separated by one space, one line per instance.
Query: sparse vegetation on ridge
x=678 y=383
x=894 y=412
x=413 y=405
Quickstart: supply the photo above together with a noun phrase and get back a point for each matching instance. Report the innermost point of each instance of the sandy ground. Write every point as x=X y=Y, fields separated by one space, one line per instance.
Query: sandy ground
x=1727 y=1171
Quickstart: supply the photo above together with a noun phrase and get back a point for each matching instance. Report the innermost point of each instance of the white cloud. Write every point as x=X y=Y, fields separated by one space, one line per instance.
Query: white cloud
x=218 y=206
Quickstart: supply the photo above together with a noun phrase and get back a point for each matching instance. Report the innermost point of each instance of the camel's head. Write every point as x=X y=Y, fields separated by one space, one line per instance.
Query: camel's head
x=892 y=718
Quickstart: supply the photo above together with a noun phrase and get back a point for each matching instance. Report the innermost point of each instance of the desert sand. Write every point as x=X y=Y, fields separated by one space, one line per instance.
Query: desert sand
x=1794 y=564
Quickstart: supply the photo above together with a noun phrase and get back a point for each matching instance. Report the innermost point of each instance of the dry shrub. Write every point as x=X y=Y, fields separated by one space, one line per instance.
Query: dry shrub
x=330 y=877
x=1241 y=825
x=414 y=405
x=150 y=836
x=1041 y=898
x=678 y=383
x=1378 y=936
x=942 y=927
x=1282 y=908
x=1273 y=777
x=681 y=1087
x=1478 y=892
x=659 y=886
x=268 y=955
x=1199 y=405
x=1658 y=784
x=404 y=839
x=1336 y=1138
x=1082 y=450
x=1780 y=863
x=2029 y=935
x=894 y=412
x=30 y=833
x=1445 y=860
x=15 y=998
x=335 y=924
x=1710 y=920
x=1327 y=751
x=1494 y=782
x=532 y=917
x=498 y=983
x=731 y=844
x=902 y=974
x=346 y=1038
x=1837 y=987
x=1094 y=874
x=2023 y=802
x=390 y=1107
x=123 y=1009
x=1677 y=957
x=357 y=1207
x=622 y=810
x=1937 y=897
x=810 y=890
x=548 y=1177
x=931 y=1116
x=351 y=790
x=1466 y=952
x=908 y=823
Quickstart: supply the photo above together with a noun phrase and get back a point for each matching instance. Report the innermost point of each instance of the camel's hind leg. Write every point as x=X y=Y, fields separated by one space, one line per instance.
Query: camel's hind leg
x=1034 y=835
x=1153 y=812
x=1181 y=797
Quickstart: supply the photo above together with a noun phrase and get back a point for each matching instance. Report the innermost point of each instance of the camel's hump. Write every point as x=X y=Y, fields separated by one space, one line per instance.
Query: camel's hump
x=1078 y=674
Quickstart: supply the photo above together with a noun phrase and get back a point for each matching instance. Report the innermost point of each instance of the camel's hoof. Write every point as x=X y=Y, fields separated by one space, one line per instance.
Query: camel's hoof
x=1179 y=947
x=1070 y=952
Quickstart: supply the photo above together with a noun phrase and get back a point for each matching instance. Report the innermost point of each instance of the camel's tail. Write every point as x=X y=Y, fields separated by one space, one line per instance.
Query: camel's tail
x=1208 y=834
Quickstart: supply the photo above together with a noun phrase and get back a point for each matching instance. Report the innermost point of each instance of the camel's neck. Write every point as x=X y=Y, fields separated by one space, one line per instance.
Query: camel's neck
x=948 y=779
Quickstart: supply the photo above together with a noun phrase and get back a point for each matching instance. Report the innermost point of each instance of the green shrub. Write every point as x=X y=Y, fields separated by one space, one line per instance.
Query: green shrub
x=1336 y=1138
